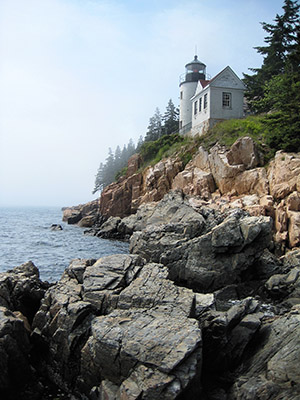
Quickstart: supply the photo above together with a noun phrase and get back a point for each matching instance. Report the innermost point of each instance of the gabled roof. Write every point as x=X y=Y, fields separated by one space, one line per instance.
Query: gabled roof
x=204 y=83
x=226 y=78
x=225 y=75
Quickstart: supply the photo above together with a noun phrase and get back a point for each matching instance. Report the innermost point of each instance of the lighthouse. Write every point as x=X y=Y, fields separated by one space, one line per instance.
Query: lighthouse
x=194 y=71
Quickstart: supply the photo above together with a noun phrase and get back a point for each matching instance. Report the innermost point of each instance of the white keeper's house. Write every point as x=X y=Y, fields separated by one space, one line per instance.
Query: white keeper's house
x=204 y=102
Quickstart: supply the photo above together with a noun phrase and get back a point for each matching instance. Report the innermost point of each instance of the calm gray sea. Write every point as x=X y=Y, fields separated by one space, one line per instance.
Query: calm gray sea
x=25 y=235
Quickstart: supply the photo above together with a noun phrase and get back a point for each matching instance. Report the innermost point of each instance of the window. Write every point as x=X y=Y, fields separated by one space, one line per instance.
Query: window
x=226 y=100
x=200 y=104
x=181 y=95
x=205 y=101
x=195 y=107
x=180 y=124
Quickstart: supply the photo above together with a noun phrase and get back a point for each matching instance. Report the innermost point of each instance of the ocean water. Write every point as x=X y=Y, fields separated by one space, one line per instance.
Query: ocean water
x=25 y=235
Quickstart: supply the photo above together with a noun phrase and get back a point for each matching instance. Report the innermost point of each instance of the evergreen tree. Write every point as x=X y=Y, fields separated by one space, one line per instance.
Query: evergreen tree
x=118 y=162
x=139 y=144
x=130 y=149
x=109 y=169
x=154 y=131
x=170 y=119
x=99 y=179
x=280 y=44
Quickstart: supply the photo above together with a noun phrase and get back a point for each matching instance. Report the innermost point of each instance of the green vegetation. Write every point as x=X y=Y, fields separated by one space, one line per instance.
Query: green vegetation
x=273 y=96
x=274 y=88
x=167 y=146
x=161 y=127
x=227 y=132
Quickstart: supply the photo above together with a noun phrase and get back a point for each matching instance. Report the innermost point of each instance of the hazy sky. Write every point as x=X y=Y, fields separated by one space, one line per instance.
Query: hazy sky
x=80 y=76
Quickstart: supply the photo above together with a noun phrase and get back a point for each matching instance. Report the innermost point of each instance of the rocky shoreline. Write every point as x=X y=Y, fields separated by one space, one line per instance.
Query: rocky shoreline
x=205 y=306
x=220 y=179
x=200 y=309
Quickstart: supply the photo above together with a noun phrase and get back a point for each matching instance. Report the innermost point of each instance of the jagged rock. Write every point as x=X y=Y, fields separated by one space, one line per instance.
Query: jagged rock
x=222 y=171
x=293 y=201
x=117 y=326
x=201 y=160
x=158 y=179
x=284 y=285
x=214 y=255
x=283 y=174
x=125 y=343
x=221 y=178
x=152 y=289
x=88 y=221
x=14 y=354
x=244 y=151
x=122 y=198
x=273 y=372
x=106 y=278
x=134 y=164
x=56 y=227
x=72 y=215
x=223 y=334
x=294 y=228
x=22 y=290
x=109 y=229
x=195 y=182
x=116 y=199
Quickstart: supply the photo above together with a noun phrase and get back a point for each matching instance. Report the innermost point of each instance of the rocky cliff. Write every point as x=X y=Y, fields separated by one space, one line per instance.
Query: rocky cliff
x=200 y=309
x=220 y=179
x=205 y=306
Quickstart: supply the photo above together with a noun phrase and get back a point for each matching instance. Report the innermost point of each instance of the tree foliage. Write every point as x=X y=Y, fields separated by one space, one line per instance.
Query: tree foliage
x=274 y=88
x=116 y=162
x=160 y=125
x=281 y=42
x=170 y=119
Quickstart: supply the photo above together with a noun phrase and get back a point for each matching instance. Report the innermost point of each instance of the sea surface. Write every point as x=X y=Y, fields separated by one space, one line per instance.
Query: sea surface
x=25 y=235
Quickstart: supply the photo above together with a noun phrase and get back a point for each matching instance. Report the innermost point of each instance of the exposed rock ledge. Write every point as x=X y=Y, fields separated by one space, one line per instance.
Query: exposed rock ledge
x=201 y=309
x=220 y=179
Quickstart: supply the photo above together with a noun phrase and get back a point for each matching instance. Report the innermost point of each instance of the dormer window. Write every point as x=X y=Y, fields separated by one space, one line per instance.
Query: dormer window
x=226 y=100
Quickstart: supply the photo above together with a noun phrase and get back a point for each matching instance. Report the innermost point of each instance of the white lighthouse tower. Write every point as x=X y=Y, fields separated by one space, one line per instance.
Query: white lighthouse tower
x=194 y=71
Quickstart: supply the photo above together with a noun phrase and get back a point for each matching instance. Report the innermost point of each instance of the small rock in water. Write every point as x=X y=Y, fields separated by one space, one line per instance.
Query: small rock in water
x=56 y=227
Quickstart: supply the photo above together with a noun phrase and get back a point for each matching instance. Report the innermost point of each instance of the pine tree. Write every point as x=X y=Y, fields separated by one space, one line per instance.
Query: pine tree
x=280 y=44
x=99 y=179
x=154 y=131
x=139 y=144
x=170 y=119
x=118 y=162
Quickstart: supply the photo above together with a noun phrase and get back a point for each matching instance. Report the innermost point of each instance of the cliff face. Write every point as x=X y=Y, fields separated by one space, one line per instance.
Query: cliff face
x=221 y=179
x=202 y=307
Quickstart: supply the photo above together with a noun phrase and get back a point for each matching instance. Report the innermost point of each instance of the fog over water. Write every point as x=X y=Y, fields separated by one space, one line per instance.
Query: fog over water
x=78 y=77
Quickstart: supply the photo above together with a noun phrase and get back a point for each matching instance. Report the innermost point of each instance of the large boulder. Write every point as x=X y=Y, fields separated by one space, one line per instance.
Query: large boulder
x=87 y=212
x=214 y=251
x=118 y=326
x=272 y=371
x=14 y=354
x=283 y=174
x=22 y=290
x=245 y=152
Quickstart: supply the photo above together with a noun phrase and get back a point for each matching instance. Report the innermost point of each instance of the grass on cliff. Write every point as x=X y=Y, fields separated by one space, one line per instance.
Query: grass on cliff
x=225 y=133
x=183 y=147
